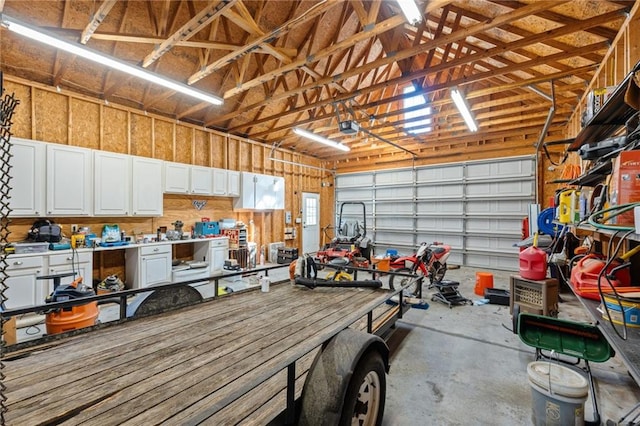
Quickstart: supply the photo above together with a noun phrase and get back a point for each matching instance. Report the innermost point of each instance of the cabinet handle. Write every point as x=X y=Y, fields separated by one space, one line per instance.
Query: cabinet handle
x=69 y=258
x=156 y=249
x=17 y=263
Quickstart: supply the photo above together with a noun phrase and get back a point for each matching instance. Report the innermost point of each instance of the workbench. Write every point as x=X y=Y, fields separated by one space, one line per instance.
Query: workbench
x=223 y=361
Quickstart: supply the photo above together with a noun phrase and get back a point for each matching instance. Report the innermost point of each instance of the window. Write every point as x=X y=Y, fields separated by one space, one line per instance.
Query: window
x=311 y=212
x=412 y=125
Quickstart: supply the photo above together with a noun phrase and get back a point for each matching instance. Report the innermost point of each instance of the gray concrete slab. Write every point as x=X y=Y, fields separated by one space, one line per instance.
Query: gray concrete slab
x=464 y=366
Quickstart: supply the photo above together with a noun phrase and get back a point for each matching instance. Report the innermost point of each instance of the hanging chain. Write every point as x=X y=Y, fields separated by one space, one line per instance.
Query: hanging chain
x=7 y=106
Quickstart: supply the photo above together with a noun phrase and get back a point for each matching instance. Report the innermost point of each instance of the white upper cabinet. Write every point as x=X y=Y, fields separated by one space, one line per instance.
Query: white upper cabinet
x=260 y=192
x=269 y=192
x=27 y=195
x=176 y=178
x=69 y=181
x=112 y=184
x=201 y=180
x=220 y=177
x=146 y=187
x=233 y=183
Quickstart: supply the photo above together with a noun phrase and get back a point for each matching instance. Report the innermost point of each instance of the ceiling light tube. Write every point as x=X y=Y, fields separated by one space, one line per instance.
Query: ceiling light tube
x=49 y=39
x=320 y=139
x=410 y=11
x=461 y=103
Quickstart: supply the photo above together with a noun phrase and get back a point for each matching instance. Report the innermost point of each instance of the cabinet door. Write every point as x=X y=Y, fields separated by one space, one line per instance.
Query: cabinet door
x=201 y=181
x=233 y=183
x=269 y=192
x=176 y=178
x=27 y=178
x=155 y=269
x=218 y=256
x=247 y=198
x=23 y=287
x=279 y=190
x=69 y=181
x=111 y=184
x=220 y=181
x=82 y=270
x=146 y=187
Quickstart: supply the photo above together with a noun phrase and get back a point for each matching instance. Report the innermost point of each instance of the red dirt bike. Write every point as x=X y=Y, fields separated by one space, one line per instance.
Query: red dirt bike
x=430 y=260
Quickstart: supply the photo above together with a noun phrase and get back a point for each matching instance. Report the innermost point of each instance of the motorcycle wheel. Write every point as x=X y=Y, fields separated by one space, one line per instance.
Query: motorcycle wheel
x=437 y=272
x=395 y=280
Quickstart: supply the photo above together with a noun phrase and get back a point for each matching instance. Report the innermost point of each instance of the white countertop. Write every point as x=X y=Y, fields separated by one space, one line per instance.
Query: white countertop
x=125 y=247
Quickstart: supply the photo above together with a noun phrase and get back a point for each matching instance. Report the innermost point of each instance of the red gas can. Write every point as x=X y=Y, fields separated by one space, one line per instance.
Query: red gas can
x=533 y=263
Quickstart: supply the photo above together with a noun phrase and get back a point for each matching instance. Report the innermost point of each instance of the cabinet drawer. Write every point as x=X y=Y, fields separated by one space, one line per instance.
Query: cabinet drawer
x=15 y=263
x=219 y=242
x=155 y=249
x=66 y=258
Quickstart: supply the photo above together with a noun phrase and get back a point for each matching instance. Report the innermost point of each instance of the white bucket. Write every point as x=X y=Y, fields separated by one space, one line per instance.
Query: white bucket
x=558 y=394
x=264 y=283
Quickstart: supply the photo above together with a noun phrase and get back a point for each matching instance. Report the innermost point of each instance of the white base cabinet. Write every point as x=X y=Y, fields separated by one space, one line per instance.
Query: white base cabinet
x=215 y=253
x=148 y=265
x=23 y=286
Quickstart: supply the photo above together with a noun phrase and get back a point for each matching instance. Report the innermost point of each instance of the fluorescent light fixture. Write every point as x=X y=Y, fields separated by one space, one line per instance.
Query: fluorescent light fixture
x=461 y=103
x=410 y=11
x=50 y=39
x=320 y=139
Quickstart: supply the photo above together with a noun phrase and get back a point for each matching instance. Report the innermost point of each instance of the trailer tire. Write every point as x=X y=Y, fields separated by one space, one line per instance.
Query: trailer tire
x=366 y=392
x=340 y=372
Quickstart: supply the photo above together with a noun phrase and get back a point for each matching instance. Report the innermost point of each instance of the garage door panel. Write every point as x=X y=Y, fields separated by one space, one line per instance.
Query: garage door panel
x=440 y=191
x=394 y=193
x=394 y=208
x=497 y=207
x=491 y=261
x=358 y=179
x=447 y=224
x=455 y=241
x=356 y=195
x=440 y=173
x=509 y=226
x=503 y=188
x=390 y=237
x=503 y=244
x=501 y=168
x=446 y=207
x=404 y=177
x=401 y=223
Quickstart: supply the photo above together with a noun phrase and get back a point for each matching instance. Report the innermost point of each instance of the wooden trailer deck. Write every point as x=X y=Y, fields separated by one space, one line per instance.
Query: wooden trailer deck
x=224 y=361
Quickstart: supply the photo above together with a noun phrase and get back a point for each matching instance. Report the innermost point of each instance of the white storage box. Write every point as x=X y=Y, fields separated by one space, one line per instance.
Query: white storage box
x=31 y=247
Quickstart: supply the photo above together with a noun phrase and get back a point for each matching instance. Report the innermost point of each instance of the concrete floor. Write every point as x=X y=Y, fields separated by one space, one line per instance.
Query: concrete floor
x=463 y=365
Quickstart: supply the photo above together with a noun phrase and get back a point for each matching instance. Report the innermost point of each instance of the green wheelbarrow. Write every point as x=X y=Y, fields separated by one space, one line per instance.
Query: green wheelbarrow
x=572 y=341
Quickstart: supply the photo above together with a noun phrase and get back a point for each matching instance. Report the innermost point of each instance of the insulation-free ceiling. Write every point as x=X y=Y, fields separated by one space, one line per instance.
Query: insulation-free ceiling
x=310 y=64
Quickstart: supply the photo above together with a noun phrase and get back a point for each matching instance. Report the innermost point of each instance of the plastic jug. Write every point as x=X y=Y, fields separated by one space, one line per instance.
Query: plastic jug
x=533 y=262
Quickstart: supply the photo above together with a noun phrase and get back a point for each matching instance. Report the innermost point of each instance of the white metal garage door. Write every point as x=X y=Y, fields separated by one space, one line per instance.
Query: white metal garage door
x=476 y=207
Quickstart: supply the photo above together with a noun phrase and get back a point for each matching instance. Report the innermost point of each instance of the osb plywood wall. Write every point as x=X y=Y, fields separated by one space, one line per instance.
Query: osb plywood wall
x=622 y=56
x=46 y=115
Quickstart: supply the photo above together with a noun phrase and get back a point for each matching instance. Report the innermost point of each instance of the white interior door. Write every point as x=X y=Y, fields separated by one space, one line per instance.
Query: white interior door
x=310 y=222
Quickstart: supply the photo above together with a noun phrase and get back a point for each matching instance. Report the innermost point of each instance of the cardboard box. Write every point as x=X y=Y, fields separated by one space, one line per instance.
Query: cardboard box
x=625 y=187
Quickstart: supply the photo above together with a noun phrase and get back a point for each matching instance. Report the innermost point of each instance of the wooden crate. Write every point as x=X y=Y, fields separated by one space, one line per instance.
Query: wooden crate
x=540 y=297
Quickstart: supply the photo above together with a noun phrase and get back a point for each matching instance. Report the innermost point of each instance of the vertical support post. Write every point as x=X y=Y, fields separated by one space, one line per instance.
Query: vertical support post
x=369 y=322
x=290 y=415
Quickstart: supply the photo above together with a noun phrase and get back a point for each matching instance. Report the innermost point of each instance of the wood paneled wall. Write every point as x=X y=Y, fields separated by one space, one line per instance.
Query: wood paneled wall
x=47 y=115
